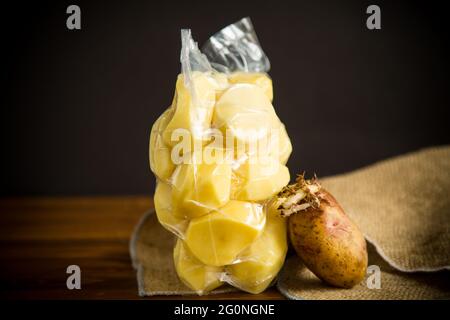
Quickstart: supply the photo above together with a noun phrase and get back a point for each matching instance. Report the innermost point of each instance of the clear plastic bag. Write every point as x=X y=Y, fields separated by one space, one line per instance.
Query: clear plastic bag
x=236 y=48
x=219 y=154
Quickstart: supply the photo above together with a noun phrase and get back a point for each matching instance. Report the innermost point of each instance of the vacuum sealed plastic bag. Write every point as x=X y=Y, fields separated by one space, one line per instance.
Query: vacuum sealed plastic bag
x=219 y=154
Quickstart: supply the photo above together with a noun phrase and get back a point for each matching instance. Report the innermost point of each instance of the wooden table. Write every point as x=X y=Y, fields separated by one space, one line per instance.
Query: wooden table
x=41 y=237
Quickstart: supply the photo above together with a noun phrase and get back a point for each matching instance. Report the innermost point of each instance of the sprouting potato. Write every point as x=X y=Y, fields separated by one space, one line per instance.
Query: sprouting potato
x=324 y=237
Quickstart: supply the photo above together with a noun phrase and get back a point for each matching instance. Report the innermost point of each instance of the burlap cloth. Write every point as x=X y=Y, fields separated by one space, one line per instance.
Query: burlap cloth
x=151 y=249
x=402 y=205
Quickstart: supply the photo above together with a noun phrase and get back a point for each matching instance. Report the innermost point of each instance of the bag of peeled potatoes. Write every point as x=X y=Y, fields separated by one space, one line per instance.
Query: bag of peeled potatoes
x=219 y=155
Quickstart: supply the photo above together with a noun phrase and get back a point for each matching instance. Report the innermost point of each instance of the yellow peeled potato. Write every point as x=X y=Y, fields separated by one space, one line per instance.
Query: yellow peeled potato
x=246 y=112
x=192 y=112
x=159 y=153
x=196 y=275
x=285 y=145
x=200 y=188
x=262 y=80
x=263 y=259
x=217 y=238
x=164 y=212
x=261 y=179
x=222 y=83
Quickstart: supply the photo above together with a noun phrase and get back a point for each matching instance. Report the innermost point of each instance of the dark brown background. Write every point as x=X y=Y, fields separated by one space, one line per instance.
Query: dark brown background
x=77 y=106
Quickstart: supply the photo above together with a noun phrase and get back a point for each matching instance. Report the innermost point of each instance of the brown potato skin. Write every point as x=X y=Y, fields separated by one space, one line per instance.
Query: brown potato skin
x=329 y=243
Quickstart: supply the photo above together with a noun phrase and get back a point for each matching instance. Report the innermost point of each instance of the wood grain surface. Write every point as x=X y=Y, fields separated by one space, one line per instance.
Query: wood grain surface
x=41 y=237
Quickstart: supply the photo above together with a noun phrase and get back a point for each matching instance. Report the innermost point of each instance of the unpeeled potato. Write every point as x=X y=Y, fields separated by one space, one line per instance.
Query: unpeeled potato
x=325 y=238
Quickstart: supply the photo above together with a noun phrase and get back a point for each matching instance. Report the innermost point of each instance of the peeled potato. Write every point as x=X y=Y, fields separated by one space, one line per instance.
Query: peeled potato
x=192 y=113
x=261 y=179
x=159 y=153
x=200 y=188
x=246 y=112
x=222 y=83
x=214 y=198
x=164 y=212
x=263 y=259
x=262 y=80
x=197 y=276
x=218 y=237
x=285 y=145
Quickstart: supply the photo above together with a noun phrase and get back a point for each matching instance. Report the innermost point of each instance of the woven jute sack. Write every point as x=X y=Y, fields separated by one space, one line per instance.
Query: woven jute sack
x=383 y=282
x=402 y=205
x=151 y=250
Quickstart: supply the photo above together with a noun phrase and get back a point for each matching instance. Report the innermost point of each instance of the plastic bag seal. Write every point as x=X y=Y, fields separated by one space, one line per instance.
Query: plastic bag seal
x=236 y=48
